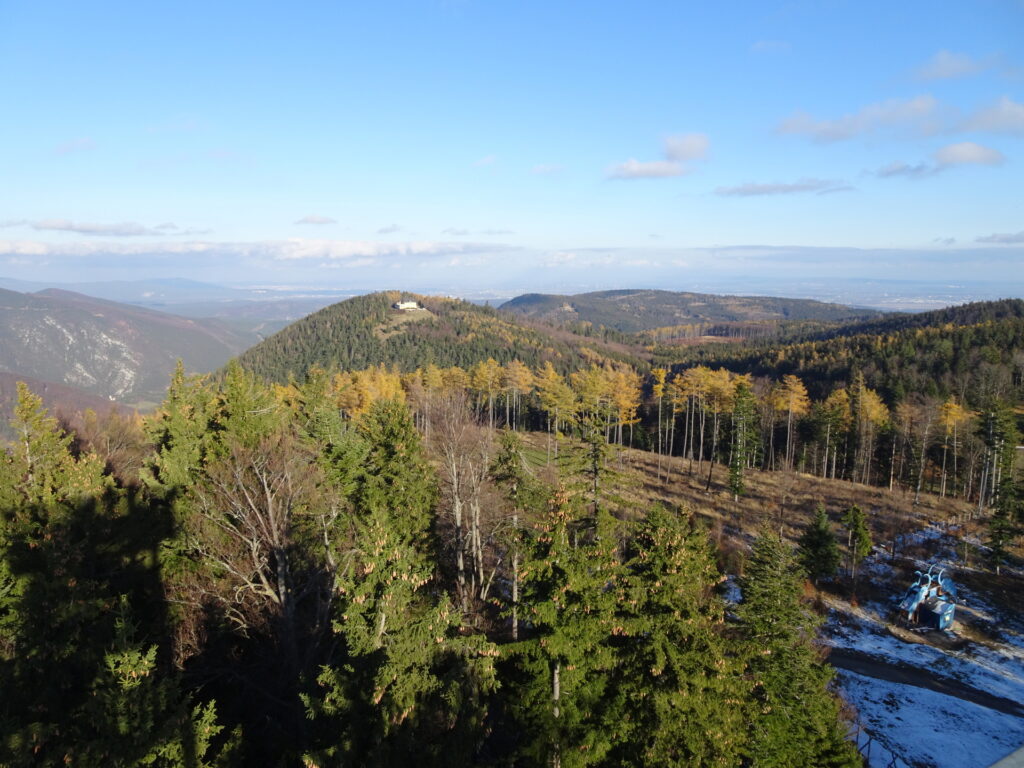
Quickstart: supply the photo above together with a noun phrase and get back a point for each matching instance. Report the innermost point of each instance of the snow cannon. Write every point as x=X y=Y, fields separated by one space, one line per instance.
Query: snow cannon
x=930 y=601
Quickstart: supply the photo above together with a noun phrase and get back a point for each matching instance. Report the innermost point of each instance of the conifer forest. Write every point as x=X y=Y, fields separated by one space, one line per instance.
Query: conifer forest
x=448 y=565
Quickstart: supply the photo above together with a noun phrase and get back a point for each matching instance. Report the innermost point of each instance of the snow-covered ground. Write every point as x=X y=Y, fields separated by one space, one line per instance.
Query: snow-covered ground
x=912 y=727
x=909 y=723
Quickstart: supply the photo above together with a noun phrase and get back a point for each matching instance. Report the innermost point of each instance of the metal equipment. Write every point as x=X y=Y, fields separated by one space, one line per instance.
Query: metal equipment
x=930 y=601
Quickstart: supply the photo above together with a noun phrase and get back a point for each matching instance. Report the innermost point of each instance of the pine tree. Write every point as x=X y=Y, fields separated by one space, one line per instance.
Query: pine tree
x=818 y=548
x=797 y=720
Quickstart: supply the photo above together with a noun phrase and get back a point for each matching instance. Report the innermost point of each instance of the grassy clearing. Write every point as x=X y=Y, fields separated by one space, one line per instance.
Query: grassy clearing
x=397 y=319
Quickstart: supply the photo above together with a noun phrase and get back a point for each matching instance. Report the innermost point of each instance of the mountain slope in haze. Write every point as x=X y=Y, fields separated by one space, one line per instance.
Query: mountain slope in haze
x=639 y=310
x=111 y=350
x=365 y=331
x=60 y=400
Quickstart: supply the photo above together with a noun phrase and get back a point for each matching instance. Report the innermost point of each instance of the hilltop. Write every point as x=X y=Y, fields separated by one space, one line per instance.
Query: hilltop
x=366 y=331
x=634 y=310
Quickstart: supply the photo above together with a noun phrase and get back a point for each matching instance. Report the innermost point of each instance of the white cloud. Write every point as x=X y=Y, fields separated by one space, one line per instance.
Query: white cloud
x=945 y=65
x=1003 y=238
x=316 y=220
x=919 y=113
x=685 y=147
x=655 y=169
x=679 y=150
x=1005 y=116
x=455 y=232
x=291 y=250
x=82 y=144
x=820 y=186
x=486 y=160
x=968 y=153
x=390 y=229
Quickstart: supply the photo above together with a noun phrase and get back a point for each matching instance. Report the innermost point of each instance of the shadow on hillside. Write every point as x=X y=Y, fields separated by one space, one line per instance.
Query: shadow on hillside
x=80 y=590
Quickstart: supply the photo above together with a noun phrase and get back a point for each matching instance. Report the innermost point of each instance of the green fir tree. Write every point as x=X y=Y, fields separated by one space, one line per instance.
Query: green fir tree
x=818 y=548
x=796 y=721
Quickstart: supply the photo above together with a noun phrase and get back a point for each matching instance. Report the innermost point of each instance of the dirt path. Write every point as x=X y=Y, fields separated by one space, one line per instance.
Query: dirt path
x=880 y=669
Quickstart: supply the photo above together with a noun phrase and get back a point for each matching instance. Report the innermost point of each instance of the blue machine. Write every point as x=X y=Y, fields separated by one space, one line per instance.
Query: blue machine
x=930 y=601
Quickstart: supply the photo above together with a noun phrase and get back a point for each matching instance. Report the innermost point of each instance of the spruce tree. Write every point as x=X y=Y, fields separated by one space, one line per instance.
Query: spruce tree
x=796 y=720
x=563 y=668
x=858 y=538
x=403 y=684
x=510 y=472
x=818 y=548
x=744 y=437
x=677 y=685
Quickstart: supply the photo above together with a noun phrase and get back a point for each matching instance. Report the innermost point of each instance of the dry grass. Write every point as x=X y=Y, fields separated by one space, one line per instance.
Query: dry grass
x=784 y=500
x=399 y=318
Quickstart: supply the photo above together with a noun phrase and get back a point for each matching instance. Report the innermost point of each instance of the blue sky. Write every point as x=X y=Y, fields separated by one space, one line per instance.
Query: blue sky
x=461 y=144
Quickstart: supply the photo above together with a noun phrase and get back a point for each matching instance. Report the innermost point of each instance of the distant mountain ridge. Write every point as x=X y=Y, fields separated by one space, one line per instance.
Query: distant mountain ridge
x=111 y=350
x=635 y=310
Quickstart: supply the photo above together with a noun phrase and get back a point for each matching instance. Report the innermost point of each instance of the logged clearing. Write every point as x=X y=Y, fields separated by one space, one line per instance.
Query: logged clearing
x=398 y=318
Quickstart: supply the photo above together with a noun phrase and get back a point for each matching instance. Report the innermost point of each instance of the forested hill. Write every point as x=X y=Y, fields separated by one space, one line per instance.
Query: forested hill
x=365 y=331
x=963 y=314
x=639 y=310
x=973 y=352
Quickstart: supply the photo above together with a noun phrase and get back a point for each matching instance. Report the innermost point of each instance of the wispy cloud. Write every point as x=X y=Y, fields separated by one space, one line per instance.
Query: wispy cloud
x=349 y=252
x=92 y=229
x=680 y=151
x=920 y=114
x=123 y=229
x=770 y=46
x=945 y=240
x=315 y=220
x=898 y=169
x=83 y=144
x=1003 y=238
x=653 y=169
x=390 y=229
x=968 y=153
x=819 y=186
x=546 y=169
x=485 y=161
x=950 y=156
x=459 y=232
x=946 y=65
x=1004 y=116
x=686 y=147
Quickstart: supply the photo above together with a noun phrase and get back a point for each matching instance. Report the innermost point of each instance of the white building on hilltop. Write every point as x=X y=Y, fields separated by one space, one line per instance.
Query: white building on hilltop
x=406 y=305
